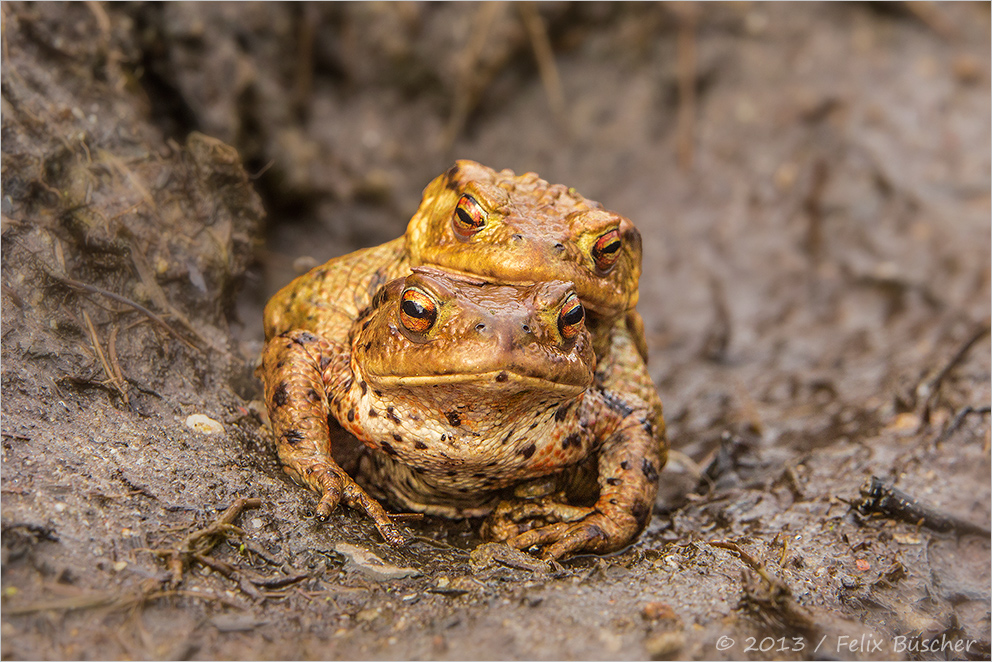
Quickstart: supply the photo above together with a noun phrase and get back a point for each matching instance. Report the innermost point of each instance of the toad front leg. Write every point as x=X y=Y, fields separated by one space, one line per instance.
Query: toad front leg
x=296 y=367
x=628 y=465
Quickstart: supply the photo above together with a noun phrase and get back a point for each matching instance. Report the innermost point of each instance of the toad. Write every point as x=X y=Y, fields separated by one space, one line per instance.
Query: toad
x=472 y=399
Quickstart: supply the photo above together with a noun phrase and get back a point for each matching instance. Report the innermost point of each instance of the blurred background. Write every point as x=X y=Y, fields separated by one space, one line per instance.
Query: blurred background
x=811 y=180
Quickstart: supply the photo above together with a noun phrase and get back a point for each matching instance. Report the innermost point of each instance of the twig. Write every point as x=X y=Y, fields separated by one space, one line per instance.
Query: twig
x=684 y=460
x=775 y=603
x=112 y=355
x=744 y=556
x=59 y=253
x=303 y=83
x=720 y=330
x=687 y=85
x=120 y=385
x=958 y=420
x=96 y=600
x=882 y=499
x=261 y=171
x=929 y=389
x=794 y=485
x=15 y=298
x=929 y=14
x=223 y=568
x=121 y=167
x=197 y=545
x=63 y=604
x=405 y=517
x=200 y=542
x=93 y=289
x=467 y=89
x=102 y=20
x=278 y=582
x=545 y=57
x=813 y=206
x=156 y=292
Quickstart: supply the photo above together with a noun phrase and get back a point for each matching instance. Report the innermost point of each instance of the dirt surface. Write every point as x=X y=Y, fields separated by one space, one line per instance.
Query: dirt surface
x=812 y=183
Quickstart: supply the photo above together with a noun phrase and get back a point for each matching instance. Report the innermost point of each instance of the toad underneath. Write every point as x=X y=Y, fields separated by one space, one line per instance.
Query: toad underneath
x=467 y=394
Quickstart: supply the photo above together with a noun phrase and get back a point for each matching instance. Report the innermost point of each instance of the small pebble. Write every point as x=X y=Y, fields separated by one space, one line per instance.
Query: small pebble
x=203 y=424
x=371 y=565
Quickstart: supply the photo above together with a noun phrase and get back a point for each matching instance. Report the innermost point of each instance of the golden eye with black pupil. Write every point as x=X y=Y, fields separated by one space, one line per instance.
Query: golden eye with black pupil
x=570 y=318
x=606 y=250
x=418 y=311
x=469 y=217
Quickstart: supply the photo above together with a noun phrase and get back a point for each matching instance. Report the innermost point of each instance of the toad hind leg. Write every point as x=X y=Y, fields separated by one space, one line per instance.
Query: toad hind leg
x=293 y=369
x=628 y=465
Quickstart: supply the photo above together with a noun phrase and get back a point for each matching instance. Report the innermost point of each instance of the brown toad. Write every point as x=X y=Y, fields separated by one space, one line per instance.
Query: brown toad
x=465 y=393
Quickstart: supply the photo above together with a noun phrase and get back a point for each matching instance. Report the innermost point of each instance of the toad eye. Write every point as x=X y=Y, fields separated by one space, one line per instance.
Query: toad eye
x=469 y=217
x=606 y=250
x=418 y=310
x=570 y=318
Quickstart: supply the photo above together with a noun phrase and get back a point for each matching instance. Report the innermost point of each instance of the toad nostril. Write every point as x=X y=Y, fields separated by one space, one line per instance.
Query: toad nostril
x=560 y=246
x=480 y=327
x=526 y=328
x=518 y=237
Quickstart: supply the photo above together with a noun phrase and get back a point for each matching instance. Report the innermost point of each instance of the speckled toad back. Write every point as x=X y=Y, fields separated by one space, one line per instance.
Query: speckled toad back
x=463 y=390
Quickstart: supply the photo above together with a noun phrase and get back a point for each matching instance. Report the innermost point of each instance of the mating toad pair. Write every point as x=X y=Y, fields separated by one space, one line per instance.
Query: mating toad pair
x=491 y=362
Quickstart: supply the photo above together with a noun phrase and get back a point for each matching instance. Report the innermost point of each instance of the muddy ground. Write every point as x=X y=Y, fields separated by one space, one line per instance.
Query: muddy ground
x=812 y=183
